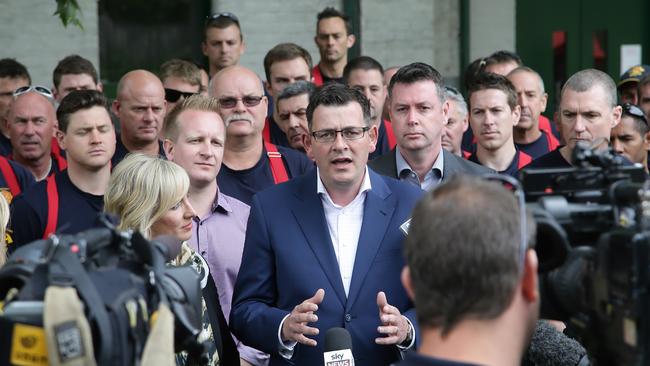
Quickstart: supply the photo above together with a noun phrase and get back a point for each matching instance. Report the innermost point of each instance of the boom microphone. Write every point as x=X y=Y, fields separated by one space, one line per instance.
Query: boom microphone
x=338 y=348
x=549 y=347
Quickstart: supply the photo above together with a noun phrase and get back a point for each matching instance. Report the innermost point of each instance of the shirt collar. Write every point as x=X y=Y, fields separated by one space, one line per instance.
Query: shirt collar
x=221 y=201
x=401 y=163
x=365 y=186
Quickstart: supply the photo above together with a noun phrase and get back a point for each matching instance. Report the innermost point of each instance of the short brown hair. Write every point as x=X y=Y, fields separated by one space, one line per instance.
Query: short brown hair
x=184 y=70
x=285 y=52
x=196 y=102
x=75 y=65
x=463 y=252
x=488 y=80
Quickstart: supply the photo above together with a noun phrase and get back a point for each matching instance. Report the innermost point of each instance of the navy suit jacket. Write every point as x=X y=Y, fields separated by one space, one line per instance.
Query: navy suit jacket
x=288 y=255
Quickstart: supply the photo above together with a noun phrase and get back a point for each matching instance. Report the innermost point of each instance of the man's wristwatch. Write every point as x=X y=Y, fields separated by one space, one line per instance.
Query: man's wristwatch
x=409 y=335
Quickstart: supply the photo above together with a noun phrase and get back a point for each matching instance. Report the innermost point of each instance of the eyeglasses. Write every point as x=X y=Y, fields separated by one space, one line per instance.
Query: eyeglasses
x=515 y=187
x=46 y=92
x=348 y=133
x=216 y=16
x=634 y=111
x=173 y=95
x=231 y=102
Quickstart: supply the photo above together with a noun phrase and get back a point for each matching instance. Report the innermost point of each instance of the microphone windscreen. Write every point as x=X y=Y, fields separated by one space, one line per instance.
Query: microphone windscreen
x=170 y=244
x=550 y=347
x=337 y=339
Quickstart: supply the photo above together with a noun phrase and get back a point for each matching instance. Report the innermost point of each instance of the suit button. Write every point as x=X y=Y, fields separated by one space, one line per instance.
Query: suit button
x=348 y=318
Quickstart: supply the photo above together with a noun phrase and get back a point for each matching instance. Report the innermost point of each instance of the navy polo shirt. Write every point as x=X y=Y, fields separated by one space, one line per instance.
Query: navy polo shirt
x=243 y=184
x=78 y=211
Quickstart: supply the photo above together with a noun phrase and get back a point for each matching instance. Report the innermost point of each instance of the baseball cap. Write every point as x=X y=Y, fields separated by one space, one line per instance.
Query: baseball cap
x=634 y=73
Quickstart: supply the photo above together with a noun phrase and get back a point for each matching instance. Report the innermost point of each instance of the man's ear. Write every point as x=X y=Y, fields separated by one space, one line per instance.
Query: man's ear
x=530 y=285
x=60 y=138
x=617 y=112
x=100 y=87
x=351 y=40
x=407 y=283
x=306 y=142
x=516 y=115
x=168 y=146
x=115 y=107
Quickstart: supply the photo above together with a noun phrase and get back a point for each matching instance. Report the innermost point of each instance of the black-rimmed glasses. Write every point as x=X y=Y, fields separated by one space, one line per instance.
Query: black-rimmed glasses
x=44 y=91
x=348 y=133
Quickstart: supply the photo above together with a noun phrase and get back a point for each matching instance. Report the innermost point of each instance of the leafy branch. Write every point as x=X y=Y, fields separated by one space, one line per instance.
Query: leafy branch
x=69 y=11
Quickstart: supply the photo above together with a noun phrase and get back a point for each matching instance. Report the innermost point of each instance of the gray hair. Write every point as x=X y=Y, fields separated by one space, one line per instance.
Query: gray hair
x=298 y=88
x=586 y=79
x=451 y=94
x=531 y=71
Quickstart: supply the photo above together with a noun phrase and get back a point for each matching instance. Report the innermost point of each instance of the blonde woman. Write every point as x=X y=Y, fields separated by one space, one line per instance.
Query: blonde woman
x=149 y=194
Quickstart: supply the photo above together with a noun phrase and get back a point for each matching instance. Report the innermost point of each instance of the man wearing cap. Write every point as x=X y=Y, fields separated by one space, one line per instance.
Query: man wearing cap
x=627 y=87
x=223 y=42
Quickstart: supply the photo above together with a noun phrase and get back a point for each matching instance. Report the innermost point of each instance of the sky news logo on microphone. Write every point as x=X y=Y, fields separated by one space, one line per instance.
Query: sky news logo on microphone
x=339 y=358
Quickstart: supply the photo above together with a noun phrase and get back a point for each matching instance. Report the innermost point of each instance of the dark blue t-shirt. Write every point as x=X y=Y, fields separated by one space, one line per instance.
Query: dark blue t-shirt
x=23 y=176
x=536 y=148
x=278 y=137
x=511 y=170
x=551 y=160
x=5 y=146
x=121 y=151
x=78 y=211
x=243 y=184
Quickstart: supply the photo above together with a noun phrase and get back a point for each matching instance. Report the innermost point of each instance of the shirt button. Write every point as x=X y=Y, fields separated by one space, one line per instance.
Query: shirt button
x=203 y=253
x=348 y=318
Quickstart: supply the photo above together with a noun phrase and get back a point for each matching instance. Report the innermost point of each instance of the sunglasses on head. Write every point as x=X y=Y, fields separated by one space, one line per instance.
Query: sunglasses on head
x=217 y=16
x=634 y=111
x=173 y=95
x=44 y=91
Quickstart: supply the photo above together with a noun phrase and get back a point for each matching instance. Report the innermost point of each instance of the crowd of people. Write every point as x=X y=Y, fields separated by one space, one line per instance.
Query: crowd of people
x=293 y=195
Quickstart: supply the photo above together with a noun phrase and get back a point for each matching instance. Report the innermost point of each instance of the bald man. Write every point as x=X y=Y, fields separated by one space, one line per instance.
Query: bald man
x=140 y=106
x=249 y=164
x=31 y=123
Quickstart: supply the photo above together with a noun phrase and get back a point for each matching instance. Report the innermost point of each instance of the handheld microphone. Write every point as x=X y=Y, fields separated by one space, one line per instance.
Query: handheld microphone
x=338 y=348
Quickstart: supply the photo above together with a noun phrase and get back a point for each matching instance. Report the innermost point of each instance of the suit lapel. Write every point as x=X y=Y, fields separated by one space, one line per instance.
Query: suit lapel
x=310 y=216
x=377 y=213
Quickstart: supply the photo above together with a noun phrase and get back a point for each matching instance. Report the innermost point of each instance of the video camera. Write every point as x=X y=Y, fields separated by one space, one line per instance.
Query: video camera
x=122 y=282
x=593 y=244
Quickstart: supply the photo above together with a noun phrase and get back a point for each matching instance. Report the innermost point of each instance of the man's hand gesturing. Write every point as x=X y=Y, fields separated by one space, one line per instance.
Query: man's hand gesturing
x=295 y=329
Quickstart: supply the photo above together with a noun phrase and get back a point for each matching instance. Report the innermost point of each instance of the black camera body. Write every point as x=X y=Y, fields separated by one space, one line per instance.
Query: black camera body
x=594 y=248
x=120 y=277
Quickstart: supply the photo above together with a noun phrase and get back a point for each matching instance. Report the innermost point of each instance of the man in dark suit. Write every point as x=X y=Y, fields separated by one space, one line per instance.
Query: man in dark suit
x=324 y=249
x=419 y=113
